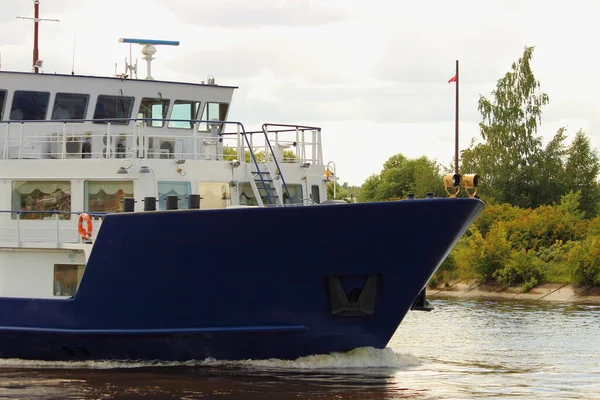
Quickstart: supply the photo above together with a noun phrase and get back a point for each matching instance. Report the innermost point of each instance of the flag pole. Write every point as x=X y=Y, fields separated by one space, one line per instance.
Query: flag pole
x=456 y=125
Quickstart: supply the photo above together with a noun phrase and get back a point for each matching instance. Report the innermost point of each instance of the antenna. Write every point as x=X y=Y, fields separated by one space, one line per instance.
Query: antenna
x=148 y=51
x=37 y=63
x=73 y=65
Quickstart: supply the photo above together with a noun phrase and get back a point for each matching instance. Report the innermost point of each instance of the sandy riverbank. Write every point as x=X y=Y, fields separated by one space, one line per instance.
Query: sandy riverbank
x=548 y=292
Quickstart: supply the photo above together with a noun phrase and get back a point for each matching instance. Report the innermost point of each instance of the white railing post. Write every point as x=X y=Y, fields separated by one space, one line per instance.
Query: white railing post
x=320 y=148
x=63 y=147
x=240 y=145
x=314 y=147
x=18 y=229
x=57 y=230
x=21 y=142
x=6 y=140
x=108 y=141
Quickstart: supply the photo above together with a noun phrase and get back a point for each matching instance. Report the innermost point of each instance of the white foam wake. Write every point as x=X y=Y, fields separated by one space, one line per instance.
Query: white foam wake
x=363 y=357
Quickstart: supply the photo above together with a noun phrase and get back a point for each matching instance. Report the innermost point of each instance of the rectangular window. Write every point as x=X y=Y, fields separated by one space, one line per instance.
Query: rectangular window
x=179 y=189
x=183 y=112
x=213 y=111
x=110 y=107
x=70 y=106
x=295 y=194
x=215 y=195
x=315 y=194
x=36 y=198
x=2 y=101
x=155 y=109
x=29 y=106
x=106 y=196
x=67 y=278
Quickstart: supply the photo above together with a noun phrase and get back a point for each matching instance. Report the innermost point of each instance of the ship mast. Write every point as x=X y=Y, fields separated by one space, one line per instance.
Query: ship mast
x=37 y=63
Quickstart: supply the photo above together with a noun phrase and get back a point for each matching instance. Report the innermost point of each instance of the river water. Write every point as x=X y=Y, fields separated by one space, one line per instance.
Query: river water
x=464 y=349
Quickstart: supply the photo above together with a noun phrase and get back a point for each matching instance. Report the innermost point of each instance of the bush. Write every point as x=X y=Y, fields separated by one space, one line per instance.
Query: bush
x=583 y=262
x=523 y=267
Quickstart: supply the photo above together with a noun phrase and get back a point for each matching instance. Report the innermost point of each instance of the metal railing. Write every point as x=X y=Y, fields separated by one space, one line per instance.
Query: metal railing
x=17 y=229
x=154 y=138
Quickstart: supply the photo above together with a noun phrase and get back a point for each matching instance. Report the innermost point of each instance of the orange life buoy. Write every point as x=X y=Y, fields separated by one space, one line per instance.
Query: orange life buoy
x=84 y=231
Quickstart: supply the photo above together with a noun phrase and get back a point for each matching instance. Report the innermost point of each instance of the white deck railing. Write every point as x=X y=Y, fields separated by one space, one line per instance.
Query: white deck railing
x=137 y=138
x=15 y=229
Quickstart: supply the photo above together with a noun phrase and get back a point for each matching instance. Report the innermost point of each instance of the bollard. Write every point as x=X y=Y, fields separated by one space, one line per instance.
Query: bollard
x=149 y=203
x=128 y=204
x=193 y=201
x=172 y=202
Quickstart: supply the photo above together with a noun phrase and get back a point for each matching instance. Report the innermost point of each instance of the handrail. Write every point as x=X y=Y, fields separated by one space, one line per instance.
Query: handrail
x=264 y=127
x=32 y=139
x=18 y=236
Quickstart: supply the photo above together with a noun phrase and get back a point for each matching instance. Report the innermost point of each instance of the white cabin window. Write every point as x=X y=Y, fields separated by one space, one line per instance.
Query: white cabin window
x=2 y=101
x=109 y=107
x=106 y=196
x=295 y=194
x=39 y=198
x=183 y=113
x=155 y=109
x=212 y=112
x=29 y=106
x=70 y=106
x=67 y=278
x=179 y=189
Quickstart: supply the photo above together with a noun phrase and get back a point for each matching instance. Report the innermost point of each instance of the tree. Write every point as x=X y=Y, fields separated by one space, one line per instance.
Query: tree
x=509 y=128
x=401 y=176
x=581 y=173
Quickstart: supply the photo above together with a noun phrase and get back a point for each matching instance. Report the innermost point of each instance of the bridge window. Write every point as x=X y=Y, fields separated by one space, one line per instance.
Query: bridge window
x=154 y=108
x=183 y=112
x=37 y=198
x=106 y=196
x=70 y=106
x=213 y=111
x=67 y=278
x=179 y=189
x=110 y=107
x=2 y=101
x=29 y=106
x=295 y=194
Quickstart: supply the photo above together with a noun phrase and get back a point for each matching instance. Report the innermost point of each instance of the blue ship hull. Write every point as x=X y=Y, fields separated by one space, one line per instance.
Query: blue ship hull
x=242 y=283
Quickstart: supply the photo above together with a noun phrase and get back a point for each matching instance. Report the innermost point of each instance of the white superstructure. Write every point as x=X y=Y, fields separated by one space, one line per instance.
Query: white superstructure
x=74 y=144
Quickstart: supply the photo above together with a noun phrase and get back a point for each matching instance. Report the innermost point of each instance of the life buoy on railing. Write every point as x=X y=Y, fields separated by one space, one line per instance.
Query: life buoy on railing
x=84 y=231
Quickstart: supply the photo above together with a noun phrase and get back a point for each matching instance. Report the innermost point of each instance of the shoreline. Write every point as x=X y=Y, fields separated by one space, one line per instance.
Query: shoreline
x=558 y=292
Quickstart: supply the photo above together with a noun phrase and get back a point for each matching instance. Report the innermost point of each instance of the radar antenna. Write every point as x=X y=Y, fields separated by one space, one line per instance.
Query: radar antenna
x=37 y=63
x=148 y=51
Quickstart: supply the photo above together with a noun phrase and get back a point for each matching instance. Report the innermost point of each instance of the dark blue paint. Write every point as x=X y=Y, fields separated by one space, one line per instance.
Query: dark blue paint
x=160 y=281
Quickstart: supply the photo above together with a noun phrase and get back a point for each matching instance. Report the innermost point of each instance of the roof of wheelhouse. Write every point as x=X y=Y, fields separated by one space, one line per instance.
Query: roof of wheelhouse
x=112 y=78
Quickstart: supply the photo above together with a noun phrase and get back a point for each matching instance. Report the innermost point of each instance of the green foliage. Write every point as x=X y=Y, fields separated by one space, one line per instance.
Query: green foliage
x=401 y=176
x=509 y=128
x=581 y=173
x=584 y=262
x=230 y=153
x=527 y=246
x=343 y=192
x=523 y=267
x=511 y=161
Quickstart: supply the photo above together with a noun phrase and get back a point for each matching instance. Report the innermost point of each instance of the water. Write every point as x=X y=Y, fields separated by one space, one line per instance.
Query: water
x=461 y=350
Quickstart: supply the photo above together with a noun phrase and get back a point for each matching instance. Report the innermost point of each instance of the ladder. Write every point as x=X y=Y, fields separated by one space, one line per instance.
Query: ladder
x=266 y=178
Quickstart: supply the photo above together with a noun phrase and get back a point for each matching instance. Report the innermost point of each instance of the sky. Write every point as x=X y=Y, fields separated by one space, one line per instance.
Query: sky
x=372 y=74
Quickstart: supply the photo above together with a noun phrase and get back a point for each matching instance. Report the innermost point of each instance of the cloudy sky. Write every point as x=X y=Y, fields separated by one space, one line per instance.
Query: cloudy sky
x=373 y=74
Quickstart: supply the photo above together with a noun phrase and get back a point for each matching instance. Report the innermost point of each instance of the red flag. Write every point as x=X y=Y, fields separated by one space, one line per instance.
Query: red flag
x=453 y=79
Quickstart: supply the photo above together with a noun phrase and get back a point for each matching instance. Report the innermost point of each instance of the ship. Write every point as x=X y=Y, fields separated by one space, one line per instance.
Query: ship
x=138 y=222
